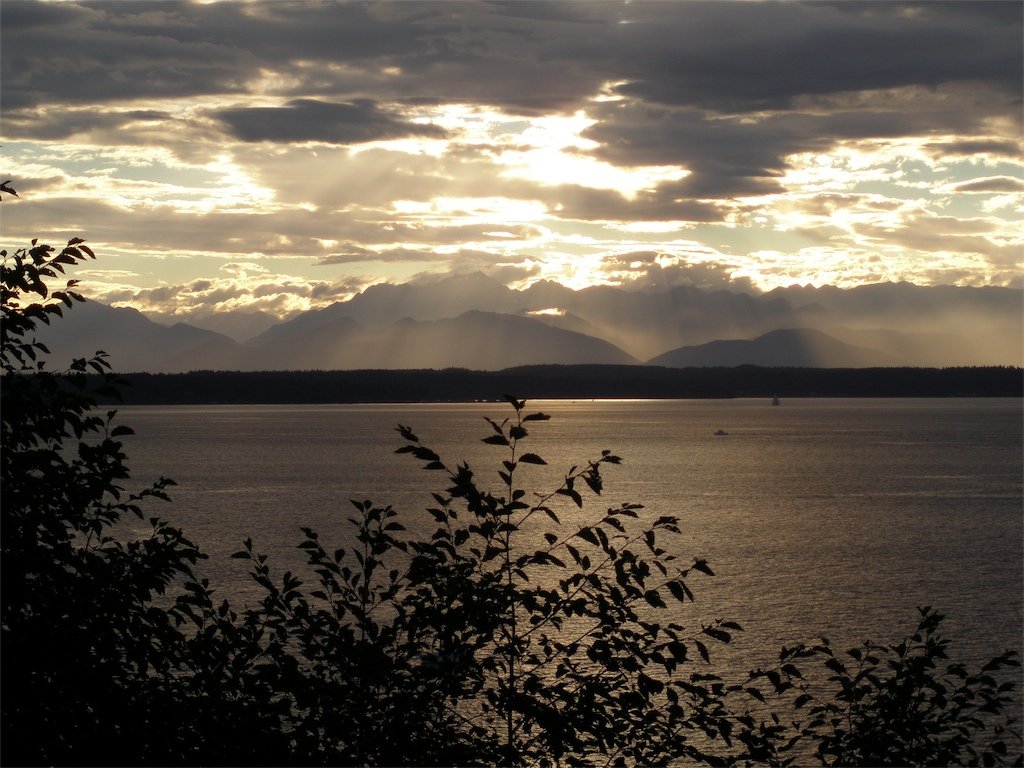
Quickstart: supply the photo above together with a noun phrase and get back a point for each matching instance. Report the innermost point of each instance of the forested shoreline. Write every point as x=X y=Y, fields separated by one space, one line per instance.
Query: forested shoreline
x=565 y=382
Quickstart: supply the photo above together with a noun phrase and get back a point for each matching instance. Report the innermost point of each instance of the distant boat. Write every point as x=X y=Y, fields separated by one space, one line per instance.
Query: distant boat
x=775 y=400
x=721 y=432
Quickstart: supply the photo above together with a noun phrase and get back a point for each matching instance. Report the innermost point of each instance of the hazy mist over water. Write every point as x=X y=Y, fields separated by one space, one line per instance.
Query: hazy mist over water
x=835 y=517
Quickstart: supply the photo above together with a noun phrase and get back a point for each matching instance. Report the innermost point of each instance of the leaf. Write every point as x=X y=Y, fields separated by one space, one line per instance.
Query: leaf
x=587 y=535
x=678 y=650
x=531 y=458
x=575 y=496
x=703 y=567
x=648 y=685
x=836 y=666
x=516 y=403
x=718 y=634
x=678 y=590
x=496 y=440
x=654 y=599
x=702 y=650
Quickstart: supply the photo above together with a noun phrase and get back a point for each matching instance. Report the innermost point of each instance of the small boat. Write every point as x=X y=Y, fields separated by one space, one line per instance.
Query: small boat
x=721 y=432
x=775 y=400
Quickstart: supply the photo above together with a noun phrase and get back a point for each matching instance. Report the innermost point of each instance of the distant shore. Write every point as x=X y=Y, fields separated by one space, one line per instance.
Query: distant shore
x=566 y=382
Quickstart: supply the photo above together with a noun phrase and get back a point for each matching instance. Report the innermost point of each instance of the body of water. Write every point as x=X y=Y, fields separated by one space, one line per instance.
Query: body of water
x=835 y=517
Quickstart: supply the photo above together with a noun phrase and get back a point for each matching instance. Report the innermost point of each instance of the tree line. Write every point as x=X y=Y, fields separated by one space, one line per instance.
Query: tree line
x=566 y=382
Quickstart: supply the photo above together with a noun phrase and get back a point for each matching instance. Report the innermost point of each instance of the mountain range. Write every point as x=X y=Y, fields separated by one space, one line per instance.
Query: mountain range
x=472 y=321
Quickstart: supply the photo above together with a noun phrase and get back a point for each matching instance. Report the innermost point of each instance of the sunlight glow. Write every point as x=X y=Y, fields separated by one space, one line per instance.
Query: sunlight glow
x=554 y=166
x=448 y=211
x=556 y=156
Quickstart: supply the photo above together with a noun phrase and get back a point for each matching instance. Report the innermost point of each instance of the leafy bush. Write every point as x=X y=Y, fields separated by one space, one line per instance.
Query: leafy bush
x=77 y=630
x=489 y=642
x=905 y=703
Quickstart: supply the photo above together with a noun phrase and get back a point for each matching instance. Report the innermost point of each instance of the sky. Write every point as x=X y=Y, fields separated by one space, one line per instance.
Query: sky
x=281 y=156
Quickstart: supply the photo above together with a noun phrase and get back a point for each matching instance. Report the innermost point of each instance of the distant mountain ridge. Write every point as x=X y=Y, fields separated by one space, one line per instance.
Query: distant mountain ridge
x=938 y=325
x=789 y=348
x=476 y=340
x=484 y=341
x=475 y=322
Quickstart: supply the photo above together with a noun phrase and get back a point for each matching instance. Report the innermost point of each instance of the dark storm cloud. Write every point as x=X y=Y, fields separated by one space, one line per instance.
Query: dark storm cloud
x=738 y=156
x=89 y=54
x=734 y=57
x=312 y=120
x=725 y=158
x=715 y=55
x=109 y=52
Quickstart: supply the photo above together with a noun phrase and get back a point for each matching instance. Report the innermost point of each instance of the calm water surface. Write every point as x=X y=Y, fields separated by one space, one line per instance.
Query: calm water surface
x=833 y=517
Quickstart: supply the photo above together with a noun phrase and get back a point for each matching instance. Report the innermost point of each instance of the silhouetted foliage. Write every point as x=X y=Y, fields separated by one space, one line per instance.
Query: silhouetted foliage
x=499 y=635
x=901 y=704
x=502 y=637
x=95 y=668
x=76 y=633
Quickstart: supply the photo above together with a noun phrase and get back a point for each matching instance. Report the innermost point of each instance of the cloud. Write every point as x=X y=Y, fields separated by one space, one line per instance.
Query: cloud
x=243 y=269
x=313 y=120
x=41 y=124
x=731 y=58
x=98 y=54
x=666 y=202
x=739 y=156
x=385 y=138
x=719 y=56
x=657 y=271
x=384 y=255
x=999 y=148
x=279 y=295
x=934 y=234
x=996 y=184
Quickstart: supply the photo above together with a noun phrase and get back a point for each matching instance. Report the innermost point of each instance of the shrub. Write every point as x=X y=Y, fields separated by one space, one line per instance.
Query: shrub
x=503 y=636
x=904 y=704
